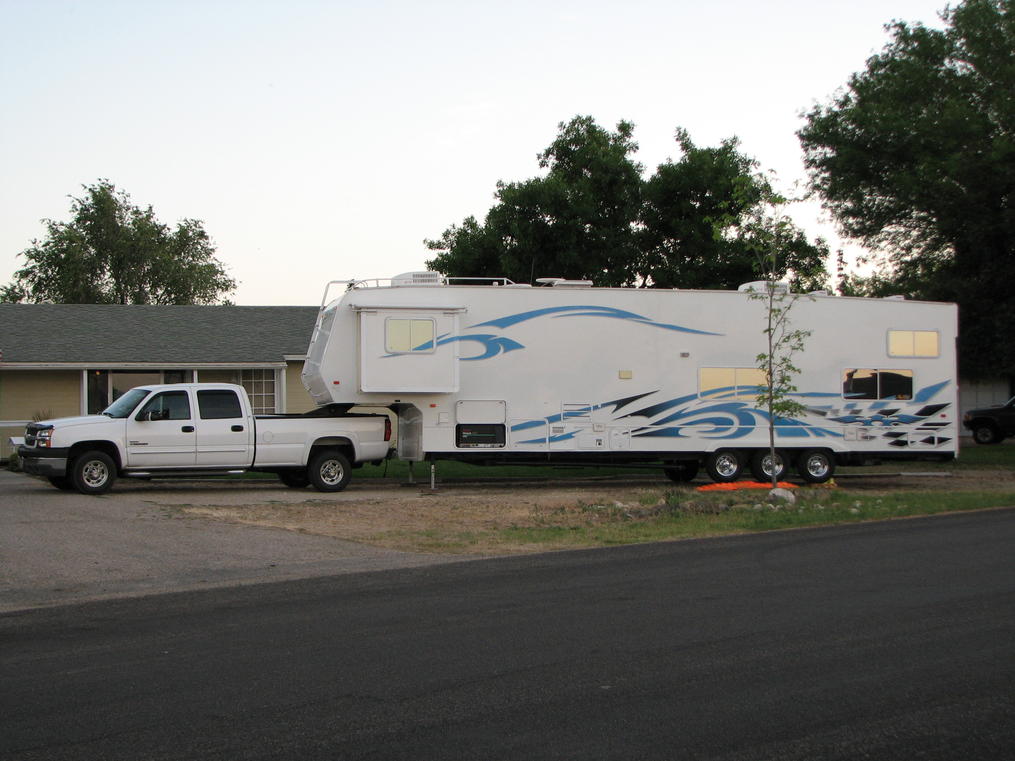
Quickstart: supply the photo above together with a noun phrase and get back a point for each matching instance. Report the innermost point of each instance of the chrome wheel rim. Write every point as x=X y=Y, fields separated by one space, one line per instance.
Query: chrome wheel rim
x=332 y=472
x=94 y=474
x=770 y=466
x=726 y=465
x=817 y=465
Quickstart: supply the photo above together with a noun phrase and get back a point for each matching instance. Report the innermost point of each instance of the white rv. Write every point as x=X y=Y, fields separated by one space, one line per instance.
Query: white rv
x=497 y=372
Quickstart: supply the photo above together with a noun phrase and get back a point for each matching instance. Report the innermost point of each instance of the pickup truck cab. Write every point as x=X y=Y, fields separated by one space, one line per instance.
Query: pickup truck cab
x=193 y=429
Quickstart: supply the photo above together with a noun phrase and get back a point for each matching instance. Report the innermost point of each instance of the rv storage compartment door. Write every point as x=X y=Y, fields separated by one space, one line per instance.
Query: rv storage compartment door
x=401 y=350
x=480 y=424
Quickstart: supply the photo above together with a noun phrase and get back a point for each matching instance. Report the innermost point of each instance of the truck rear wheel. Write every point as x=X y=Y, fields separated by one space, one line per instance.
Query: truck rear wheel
x=329 y=470
x=93 y=472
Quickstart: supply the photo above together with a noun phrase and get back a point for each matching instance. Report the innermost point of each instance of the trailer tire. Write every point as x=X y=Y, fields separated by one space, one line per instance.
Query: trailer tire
x=329 y=470
x=294 y=479
x=761 y=465
x=682 y=472
x=725 y=465
x=93 y=472
x=815 y=466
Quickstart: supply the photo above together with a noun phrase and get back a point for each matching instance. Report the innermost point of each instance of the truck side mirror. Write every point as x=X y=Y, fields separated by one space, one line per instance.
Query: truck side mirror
x=153 y=415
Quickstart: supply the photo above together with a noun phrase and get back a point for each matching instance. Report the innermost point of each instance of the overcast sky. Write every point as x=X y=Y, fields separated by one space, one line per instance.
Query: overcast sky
x=325 y=140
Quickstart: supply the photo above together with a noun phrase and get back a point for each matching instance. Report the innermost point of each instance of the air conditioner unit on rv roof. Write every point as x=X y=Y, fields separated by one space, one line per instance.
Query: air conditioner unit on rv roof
x=418 y=278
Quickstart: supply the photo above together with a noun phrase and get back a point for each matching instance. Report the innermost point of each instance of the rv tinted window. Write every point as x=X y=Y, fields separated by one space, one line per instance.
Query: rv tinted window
x=864 y=383
x=218 y=405
x=913 y=343
x=408 y=335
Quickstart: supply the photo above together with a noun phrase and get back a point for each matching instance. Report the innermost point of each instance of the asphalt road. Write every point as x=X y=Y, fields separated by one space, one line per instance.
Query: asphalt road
x=63 y=547
x=879 y=641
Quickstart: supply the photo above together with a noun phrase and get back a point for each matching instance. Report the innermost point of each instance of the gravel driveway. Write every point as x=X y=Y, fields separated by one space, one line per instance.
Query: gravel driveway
x=63 y=547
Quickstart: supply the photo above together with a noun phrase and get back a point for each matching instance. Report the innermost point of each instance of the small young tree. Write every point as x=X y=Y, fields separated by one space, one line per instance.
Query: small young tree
x=782 y=340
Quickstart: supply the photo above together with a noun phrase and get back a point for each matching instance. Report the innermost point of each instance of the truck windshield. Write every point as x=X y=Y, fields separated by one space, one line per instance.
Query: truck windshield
x=123 y=406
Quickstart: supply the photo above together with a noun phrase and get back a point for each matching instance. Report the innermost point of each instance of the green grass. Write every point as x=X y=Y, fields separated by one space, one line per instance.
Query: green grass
x=689 y=514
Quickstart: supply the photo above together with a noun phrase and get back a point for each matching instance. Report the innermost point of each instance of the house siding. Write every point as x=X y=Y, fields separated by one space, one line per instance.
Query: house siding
x=296 y=397
x=27 y=394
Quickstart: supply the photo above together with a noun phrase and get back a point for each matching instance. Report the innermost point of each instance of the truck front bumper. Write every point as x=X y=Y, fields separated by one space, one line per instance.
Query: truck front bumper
x=43 y=462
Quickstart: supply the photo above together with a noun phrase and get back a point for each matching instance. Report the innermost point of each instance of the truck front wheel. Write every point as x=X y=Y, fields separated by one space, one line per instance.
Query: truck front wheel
x=329 y=470
x=93 y=472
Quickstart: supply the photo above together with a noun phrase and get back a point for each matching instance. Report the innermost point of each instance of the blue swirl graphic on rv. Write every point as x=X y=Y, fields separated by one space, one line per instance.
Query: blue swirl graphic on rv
x=588 y=311
x=492 y=345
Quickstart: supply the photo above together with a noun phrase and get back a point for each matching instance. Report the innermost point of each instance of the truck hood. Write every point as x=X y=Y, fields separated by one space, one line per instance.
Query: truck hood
x=66 y=422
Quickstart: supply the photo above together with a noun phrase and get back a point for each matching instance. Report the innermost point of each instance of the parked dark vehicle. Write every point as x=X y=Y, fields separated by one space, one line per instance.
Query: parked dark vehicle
x=991 y=425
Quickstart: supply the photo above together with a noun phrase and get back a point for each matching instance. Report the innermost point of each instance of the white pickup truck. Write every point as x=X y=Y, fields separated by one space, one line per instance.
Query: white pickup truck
x=201 y=429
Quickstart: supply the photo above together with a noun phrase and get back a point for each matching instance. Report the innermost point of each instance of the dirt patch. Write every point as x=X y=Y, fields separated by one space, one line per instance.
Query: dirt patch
x=471 y=518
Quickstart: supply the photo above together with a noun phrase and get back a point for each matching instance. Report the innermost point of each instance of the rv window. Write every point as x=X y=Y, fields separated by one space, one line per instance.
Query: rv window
x=402 y=336
x=913 y=343
x=867 y=383
x=730 y=382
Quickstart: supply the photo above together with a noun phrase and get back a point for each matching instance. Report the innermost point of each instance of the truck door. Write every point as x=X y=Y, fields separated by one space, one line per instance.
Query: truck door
x=162 y=433
x=224 y=435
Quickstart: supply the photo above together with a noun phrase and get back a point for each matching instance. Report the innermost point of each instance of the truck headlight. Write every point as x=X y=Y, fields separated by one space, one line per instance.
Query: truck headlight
x=44 y=438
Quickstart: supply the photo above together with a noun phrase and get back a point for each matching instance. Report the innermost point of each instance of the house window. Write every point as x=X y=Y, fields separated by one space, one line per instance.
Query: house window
x=865 y=383
x=403 y=336
x=731 y=382
x=260 y=386
x=913 y=343
x=106 y=386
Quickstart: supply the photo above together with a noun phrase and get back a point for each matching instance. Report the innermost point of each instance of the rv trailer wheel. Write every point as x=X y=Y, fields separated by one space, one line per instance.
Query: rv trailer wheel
x=815 y=466
x=682 y=472
x=761 y=465
x=725 y=465
x=329 y=470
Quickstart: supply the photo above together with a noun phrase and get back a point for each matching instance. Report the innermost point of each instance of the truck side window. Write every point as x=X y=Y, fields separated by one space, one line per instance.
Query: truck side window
x=219 y=405
x=171 y=405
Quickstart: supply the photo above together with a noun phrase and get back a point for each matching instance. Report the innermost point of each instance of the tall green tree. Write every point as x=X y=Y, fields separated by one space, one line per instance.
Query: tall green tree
x=915 y=157
x=695 y=223
x=575 y=222
x=113 y=252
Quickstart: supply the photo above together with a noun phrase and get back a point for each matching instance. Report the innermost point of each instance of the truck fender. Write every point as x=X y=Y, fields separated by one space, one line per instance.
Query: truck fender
x=346 y=444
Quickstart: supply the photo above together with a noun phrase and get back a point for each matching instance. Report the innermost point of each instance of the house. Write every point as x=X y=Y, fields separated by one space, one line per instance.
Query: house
x=74 y=359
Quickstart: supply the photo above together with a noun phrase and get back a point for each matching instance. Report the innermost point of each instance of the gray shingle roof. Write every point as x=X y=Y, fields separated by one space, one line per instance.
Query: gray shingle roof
x=101 y=333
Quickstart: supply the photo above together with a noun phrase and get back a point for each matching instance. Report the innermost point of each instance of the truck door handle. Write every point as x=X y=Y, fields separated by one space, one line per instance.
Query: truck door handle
x=236 y=428
x=187 y=429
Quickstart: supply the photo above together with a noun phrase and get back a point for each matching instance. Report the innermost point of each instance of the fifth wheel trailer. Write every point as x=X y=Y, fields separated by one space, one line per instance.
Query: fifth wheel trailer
x=498 y=372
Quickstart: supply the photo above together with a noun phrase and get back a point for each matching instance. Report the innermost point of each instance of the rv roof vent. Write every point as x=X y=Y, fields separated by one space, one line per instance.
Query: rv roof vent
x=418 y=278
x=559 y=282
x=762 y=285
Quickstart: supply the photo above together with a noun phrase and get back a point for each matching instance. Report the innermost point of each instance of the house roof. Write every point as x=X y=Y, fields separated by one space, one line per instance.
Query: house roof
x=127 y=333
